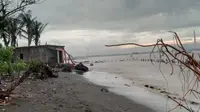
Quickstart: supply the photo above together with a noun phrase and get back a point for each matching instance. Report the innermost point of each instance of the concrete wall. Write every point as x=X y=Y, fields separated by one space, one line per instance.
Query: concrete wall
x=36 y=53
x=45 y=54
x=51 y=56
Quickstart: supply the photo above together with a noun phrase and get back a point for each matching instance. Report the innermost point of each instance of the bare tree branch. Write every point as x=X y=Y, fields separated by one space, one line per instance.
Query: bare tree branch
x=185 y=60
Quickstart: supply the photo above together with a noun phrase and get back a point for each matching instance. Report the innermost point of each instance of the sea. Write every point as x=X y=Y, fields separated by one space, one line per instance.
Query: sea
x=140 y=80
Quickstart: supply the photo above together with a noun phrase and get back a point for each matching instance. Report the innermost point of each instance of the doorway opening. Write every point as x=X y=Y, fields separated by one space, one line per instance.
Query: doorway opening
x=21 y=56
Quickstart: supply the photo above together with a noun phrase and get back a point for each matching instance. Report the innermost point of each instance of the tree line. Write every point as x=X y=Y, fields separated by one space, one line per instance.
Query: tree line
x=16 y=22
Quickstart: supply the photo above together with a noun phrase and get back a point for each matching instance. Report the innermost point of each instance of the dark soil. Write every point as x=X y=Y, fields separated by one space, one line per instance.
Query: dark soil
x=67 y=93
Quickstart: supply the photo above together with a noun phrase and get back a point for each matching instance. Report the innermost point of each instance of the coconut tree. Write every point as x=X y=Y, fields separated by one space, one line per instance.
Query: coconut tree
x=38 y=29
x=14 y=30
x=10 y=31
x=4 y=32
x=28 y=24
x=8 y=10
x=28 y=28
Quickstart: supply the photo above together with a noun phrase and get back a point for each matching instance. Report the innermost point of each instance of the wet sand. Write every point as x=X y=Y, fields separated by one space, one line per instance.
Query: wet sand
x=68 y=93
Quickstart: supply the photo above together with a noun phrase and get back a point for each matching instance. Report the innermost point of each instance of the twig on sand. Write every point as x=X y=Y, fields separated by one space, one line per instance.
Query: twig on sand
x=179 y=104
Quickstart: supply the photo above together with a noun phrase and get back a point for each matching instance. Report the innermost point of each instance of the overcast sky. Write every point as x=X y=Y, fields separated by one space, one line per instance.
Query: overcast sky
x=85 y=26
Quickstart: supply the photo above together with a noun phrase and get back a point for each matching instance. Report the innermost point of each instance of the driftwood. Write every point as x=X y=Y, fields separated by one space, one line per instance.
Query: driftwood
x=176 y=54
x=66 y=69
x=6 y=93
x=41 y=71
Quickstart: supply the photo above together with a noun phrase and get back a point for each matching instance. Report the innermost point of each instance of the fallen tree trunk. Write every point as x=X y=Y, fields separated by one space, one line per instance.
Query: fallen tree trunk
x=6 y=92
x=43 y=72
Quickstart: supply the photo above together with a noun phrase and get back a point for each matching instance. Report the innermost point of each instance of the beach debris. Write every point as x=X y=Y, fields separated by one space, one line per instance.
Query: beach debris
x=88 y=110
x=4 y=110
x=81 y=67
x=147 y=86
x=41 y=71
x=66 y=68
x=165 y=92
x=194 y=103
x=38 y=71
x=104 y=90
x=86 y=61
x=60 y=105
x=122 y=60
x=91 y=64
x=168 y=93
x=127 y=85
x=152 y=87
x=54 y=90
x=42 y=91
x=79 y=72
x=99 y=61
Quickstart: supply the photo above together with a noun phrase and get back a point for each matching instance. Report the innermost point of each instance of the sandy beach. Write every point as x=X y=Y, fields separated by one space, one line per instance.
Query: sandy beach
x=68 y=93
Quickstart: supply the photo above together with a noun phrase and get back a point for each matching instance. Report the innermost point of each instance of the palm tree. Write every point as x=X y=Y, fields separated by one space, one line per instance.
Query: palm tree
x=38 y=29
x=4 y=32
x=28 y=23
x=7 y=10
x=14 y=30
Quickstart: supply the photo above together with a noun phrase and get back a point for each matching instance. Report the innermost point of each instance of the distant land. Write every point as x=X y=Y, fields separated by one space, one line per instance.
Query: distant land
x=122 y=54
x=105 y=55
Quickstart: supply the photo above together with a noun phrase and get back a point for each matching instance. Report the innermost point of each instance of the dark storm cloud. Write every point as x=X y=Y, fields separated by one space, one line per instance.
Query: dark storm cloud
x=134 y=15
x=87 y=25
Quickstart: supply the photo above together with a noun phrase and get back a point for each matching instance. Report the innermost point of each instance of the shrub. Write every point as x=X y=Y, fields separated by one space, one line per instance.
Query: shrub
x=19 y=66
x=6 y=65
x=34 y=65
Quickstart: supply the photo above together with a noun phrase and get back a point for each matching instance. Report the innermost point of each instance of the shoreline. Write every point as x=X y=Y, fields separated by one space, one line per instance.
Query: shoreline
x=69 y=93
x=144 y=84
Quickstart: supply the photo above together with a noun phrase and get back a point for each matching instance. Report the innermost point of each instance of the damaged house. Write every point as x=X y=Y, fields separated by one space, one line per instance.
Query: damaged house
x=50 y=54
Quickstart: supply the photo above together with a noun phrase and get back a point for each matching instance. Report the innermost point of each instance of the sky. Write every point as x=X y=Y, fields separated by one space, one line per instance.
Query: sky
x=86 y=26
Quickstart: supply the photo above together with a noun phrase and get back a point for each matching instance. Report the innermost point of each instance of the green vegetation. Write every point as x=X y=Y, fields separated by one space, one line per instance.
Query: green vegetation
x=34 y=65
x=6 y=65
x=5 y=60
x=16 y=23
